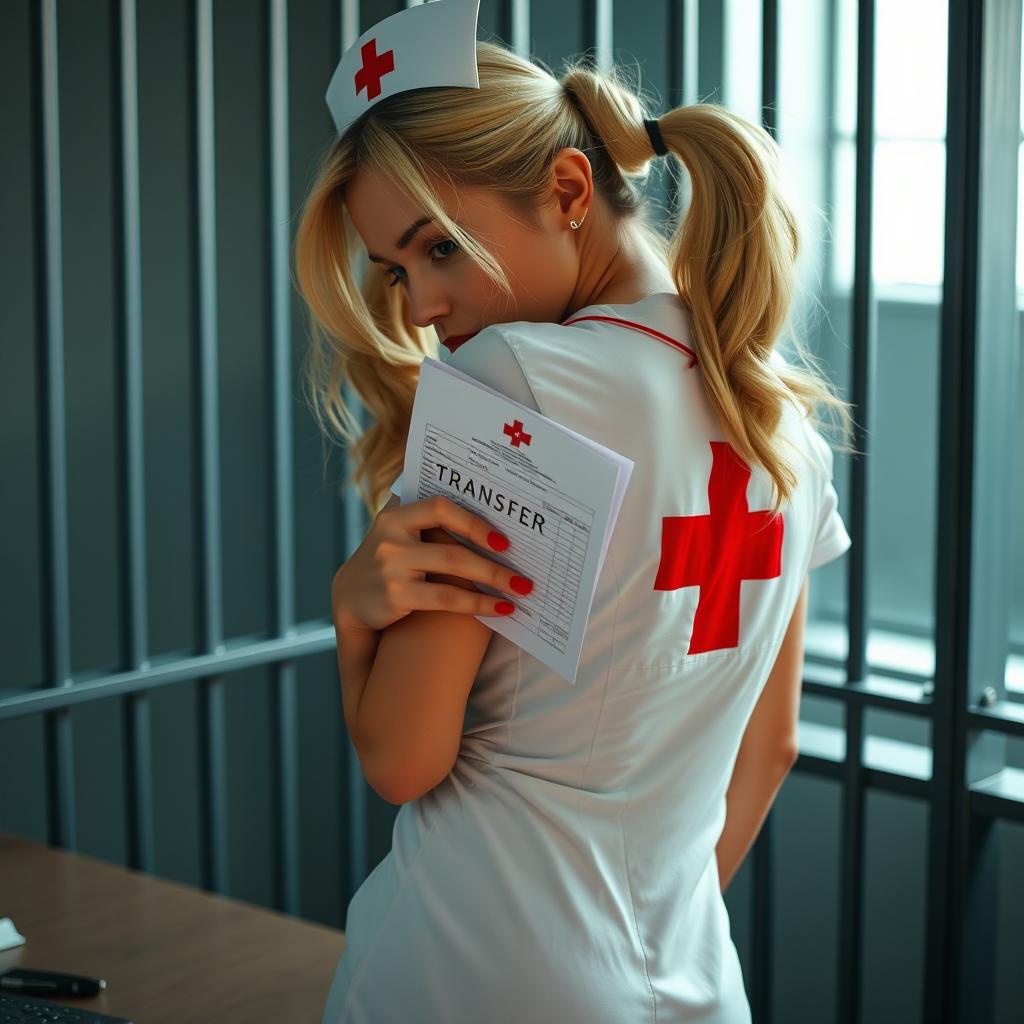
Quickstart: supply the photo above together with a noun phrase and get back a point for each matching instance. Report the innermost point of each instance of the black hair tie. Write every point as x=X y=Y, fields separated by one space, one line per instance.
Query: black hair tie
x=656 y=140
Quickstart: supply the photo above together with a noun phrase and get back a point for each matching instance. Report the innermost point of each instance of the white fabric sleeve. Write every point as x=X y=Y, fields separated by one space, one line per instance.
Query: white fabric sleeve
x=831 y=539
x=488 y=358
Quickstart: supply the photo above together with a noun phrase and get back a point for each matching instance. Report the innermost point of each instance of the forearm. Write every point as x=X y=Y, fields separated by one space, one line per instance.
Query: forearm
x=756 y=779
x=357 y=651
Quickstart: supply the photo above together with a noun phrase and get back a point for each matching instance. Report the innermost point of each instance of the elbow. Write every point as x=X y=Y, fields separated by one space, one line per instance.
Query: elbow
x=397 y=789
x=789 y=754
x=386 y=788
x=401 y=792
x=383 y=787
x=399 y=784
x=388 y=795
x=378 y=777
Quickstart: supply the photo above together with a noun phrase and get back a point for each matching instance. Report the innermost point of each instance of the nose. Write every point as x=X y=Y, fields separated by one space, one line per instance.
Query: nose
x=428 y=308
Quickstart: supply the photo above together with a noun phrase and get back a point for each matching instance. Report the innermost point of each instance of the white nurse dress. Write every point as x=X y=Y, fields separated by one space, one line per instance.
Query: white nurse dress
x=565 y=869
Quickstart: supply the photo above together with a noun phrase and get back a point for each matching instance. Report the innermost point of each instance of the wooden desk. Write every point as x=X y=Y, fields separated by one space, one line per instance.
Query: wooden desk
x=168 y=952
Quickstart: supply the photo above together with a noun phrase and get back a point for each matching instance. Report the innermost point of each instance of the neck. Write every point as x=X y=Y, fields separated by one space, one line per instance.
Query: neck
x=617 y=265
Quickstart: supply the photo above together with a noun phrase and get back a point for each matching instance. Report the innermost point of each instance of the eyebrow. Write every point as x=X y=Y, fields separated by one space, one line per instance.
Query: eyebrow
x=406 y=238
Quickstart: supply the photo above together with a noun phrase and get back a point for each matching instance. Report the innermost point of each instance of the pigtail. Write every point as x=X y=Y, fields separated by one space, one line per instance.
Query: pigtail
x=732 y=258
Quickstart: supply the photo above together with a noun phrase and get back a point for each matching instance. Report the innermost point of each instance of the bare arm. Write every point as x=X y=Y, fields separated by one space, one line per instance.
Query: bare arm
x=357 y=649
x=415 y=698
x=408 y=652
x=767 y=751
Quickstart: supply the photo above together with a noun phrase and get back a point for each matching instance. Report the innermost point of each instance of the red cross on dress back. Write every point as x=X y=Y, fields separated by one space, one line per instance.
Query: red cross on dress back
x=717 y=551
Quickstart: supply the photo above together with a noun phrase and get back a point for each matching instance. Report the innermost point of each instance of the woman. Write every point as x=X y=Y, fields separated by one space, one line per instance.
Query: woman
x=554 y=857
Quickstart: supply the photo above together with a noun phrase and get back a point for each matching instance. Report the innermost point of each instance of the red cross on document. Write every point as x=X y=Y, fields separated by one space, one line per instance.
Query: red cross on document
x=516 y=433
x=716 y=552
x=374 y=68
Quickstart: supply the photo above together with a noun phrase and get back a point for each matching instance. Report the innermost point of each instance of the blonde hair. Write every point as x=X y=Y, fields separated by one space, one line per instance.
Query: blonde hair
x=732 y=258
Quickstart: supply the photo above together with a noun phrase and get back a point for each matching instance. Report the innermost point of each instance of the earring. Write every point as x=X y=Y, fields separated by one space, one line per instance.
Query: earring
x=575 y=225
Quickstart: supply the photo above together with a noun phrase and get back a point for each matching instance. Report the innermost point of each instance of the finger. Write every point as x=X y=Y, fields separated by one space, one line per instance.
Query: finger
x=444 y=597
x=442 y=511
x=442 y=554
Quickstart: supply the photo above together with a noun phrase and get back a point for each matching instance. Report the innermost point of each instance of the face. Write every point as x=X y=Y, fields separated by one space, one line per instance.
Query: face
x=445 y=288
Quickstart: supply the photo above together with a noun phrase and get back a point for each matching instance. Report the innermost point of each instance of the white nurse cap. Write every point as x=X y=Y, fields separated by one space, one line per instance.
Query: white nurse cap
x=431 y=44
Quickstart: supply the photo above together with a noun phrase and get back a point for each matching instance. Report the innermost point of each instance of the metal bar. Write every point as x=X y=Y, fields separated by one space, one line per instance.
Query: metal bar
x=978 y=953
x=206 y=233
x=997 y=805
x=819 y=767
x=348 y=27
x=308 y=639
x=851 y=871
x=519 y=26
x=689 y=27
x=865 y=343
x=876 y=692
x=212 y=711
x=762 y=974
x=286 y=796
x=898 y=784
x=762 y=915
x=138 y=772
x=285 y=682
x=599 y=33
x=1004 y=718
x=874 y=778
x=979 y=352
x=52 y=425
x=711 y=26
x=997 y=348
x=997 y=355
x=682 y=89
x=942 y=995
x=865 y=340
x=770 y=66
x=213 y=772
x=675 y=61
x=355 y=838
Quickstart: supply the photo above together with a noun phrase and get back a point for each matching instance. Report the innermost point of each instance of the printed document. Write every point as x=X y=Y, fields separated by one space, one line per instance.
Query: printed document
x=553 y=492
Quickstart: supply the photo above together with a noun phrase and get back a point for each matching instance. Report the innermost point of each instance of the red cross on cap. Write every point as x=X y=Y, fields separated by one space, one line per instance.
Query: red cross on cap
x=716 y=552
x=421 y=46
x=375 y=66
x=516 y=433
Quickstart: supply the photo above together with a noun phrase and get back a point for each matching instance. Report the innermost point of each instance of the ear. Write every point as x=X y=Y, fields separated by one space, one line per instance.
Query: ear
x=573 y=183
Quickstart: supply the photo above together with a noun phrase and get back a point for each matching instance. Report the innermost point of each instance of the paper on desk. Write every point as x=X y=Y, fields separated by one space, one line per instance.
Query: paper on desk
x=553 y=492
x=9 y=935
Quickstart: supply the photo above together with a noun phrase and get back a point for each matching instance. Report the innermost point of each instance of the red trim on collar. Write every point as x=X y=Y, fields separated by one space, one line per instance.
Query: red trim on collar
x=455 y=342
x=638 y=327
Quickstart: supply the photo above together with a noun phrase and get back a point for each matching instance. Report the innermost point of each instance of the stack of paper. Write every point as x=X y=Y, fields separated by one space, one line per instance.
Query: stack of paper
x=553 y=492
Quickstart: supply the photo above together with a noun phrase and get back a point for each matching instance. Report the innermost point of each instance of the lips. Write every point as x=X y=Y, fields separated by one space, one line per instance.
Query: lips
x=453 y=341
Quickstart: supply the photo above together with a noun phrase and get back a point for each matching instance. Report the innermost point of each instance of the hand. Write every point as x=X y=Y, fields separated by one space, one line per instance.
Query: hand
x=385 y=578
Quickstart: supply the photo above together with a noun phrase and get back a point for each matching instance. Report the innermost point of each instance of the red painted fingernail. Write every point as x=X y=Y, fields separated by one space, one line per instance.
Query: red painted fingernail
x=521 y=585
x=504 y=607
x=496 y=541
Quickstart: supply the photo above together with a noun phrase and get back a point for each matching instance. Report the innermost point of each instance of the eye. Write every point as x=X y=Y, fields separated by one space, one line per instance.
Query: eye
x=446 y=241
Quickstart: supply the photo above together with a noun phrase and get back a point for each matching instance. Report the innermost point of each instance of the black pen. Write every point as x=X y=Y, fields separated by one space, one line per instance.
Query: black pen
x=49 y=983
